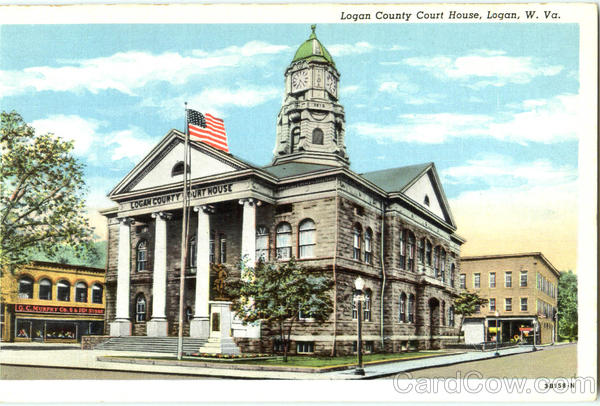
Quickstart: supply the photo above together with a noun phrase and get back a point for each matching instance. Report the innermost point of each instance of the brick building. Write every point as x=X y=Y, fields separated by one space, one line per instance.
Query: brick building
x=392 y=227
x=520 y=287
x=51 y=302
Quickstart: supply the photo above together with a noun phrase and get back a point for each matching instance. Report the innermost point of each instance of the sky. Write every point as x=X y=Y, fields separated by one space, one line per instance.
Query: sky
x=495 y=106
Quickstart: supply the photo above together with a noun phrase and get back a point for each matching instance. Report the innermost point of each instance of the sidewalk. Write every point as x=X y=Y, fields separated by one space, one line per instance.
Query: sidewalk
x=88 y=359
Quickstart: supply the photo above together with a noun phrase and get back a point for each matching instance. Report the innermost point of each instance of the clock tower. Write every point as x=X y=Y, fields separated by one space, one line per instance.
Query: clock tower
x=311 y=123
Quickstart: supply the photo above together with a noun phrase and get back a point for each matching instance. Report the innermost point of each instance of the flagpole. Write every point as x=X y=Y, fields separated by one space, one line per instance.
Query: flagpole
x=184 y=235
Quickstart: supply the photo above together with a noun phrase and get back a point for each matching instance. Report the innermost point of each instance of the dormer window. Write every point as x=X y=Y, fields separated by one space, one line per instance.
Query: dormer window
x=426 y=201
x=177 y=169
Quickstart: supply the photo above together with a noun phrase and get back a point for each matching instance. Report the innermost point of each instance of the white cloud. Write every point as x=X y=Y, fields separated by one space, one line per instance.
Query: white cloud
x=215 y=100
x=70 y=128
x=346 y=90
x=126 y=72
x=350 y=49
x=501 y=170
x=132 y=144
x=542 y=121
x=493 y=68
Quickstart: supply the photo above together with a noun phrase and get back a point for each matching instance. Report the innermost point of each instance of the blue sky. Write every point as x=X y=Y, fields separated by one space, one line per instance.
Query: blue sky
x=493 y=105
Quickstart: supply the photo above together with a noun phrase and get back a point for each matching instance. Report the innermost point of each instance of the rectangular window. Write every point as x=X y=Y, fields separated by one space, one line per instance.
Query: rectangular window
x=369 y=346
x=492 y=279
x=476 y=280
x=222 y=249
x=508 y=304
x=354 y=306
x=304 y=347
x=367 y=307
x=211 y=248
x=463 y=281
x=508 y=280
x=523 y=279
x=492 y=304
x=523 y=304
x=477 y=308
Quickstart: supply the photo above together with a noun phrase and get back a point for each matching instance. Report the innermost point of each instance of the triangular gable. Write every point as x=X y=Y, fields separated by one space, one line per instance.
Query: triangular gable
x=426 y=190
x=155 y=169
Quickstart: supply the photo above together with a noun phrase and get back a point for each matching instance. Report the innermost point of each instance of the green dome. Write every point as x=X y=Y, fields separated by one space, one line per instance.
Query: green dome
x=313 y=50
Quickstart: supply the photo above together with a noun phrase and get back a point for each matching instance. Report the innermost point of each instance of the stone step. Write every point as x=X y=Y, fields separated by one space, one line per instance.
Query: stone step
x=150 y=344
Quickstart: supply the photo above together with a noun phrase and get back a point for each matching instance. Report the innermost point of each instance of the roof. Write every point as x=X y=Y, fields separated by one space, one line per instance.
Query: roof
x=57 y=265
x=395 y=179
x=313 y=50
x=293 y=169
x=522 y=254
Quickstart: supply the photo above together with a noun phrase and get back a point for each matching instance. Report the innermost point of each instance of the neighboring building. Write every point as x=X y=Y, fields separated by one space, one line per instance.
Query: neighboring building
x=520 y=287
x=50 y=302
x=392 y=227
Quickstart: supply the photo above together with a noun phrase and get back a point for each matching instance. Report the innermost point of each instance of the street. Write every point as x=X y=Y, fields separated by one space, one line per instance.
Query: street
x=549 y=362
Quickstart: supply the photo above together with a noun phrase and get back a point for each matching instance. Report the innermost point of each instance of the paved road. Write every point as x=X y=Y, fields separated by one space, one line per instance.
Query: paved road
x=550 y=362
x=18 y=372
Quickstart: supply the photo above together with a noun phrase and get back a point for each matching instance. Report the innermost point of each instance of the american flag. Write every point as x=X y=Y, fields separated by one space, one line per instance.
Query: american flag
x=207 y=128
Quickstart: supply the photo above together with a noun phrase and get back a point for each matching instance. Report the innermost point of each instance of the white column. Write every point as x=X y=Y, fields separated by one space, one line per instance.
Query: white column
x=122 y=325
x=158 y=326
x=249 y=230
x=199 y=326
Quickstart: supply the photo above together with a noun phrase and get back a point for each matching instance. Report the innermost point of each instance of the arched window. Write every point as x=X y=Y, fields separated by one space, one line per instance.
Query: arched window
x=426 y=200
x=97 y=290
x=443 y=313
x=140 y=308
x=443 y=264
x=357 y=237
x=45 y=289
x=421 y=244
x=295 y=139
x=428 y=252
x=192 y=252
x=63 y=291
x=142 y=255
x=177 y=169
x=317 y=136
x=81 y=292
x=410 y=250
x=451 y=316
x=26 y=288
x=284 y=241
x=262 y=243
x=367 y=306
x=436 y=261
x=368 y=246
x=306 y=239
x=189 y=314
x=402 y=317
x=402 y=247
x=452 y=275
x=411 y=308
x=222 y=249
x=211 y=247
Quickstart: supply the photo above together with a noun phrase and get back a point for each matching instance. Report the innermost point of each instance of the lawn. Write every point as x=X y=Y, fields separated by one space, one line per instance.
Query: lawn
x=317 y=362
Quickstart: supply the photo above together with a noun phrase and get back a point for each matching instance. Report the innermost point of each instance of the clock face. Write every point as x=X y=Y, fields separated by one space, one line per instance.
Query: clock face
x=331 y=84
x=299 y=80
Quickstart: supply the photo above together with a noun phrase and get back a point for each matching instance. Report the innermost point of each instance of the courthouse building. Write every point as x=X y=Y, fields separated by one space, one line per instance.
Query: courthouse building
x=521 y=288
x=51 y=302
x=392 y=227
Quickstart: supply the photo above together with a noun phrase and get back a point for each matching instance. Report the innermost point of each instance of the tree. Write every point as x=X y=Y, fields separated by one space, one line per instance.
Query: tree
x=42 y=204
x=465 y=305
x=567 y=305
x=278 y=292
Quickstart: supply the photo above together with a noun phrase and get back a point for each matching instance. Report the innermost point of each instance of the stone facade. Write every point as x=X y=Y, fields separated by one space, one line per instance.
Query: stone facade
x=393 y=228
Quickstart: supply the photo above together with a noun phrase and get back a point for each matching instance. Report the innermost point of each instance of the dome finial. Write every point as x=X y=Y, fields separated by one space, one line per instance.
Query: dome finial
x=313 y=28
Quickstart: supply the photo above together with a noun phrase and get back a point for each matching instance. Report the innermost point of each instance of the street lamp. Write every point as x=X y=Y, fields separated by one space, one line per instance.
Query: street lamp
x=535 y=323
x=497 y=314
x=359 y=284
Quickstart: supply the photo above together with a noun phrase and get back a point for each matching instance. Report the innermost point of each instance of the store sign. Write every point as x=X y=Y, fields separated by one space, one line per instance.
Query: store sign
x=21 y=308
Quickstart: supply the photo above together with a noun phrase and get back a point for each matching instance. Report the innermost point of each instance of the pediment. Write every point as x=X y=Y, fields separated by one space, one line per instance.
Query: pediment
x=156 y=169
x=426 y=190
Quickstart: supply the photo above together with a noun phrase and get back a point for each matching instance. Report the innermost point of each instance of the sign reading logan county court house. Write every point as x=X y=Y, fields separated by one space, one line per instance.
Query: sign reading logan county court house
x=21 y=308
x=195 y=193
